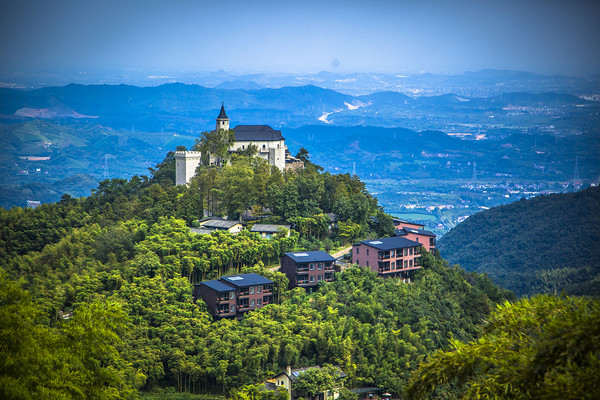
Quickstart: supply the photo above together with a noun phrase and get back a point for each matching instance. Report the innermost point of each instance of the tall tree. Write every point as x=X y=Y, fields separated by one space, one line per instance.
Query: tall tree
x=215 y=144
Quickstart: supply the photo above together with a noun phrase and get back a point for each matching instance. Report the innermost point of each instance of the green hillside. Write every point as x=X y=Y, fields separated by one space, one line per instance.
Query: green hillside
x=109 y=312
x=546 y=244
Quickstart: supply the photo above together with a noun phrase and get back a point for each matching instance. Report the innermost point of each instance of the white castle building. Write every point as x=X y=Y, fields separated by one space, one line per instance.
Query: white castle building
x=269 y=142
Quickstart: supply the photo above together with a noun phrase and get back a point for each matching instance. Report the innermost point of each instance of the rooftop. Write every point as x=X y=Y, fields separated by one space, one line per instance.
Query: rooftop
x=233 y=282
x=394 y=242
x=218 y=286
x=248 y=133
x=222 y=114
x=218 y=223
x=267 y=228
x=405 y=230
x=310 y=256
x=402 y=221
x=244 y=280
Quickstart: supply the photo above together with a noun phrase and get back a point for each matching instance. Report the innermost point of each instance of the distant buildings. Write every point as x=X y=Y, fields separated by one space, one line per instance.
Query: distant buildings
x=266 y=231
x=307 y=268
x=220 y=224
x=232 y=296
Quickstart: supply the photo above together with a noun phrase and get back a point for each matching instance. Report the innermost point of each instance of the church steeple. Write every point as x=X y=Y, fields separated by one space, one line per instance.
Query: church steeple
x=222 y=119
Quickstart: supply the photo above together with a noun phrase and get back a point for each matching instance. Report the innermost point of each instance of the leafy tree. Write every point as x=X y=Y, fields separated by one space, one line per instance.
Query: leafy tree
x=216 y=144
x=540 y=348
x=317 y=380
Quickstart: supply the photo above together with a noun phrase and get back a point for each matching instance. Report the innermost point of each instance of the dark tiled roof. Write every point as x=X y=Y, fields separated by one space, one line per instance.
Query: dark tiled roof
x=405 y=231
x=218 y=223
x=200 y=231
x=394 y=242
x=222 y=114
x=267 y=228
x=244 y=280
x=248 y=133
x=310 y=256
x=232 y=282
x=218 y=286
x=398 y=221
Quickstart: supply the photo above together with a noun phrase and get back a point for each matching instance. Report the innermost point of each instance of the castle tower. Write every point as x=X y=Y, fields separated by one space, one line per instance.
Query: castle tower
x=222 y=119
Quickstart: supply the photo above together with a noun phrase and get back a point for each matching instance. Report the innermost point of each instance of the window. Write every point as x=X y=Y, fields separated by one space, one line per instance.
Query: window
x=251 y=289
x=259 y=289
x=231 y=295
x=312 y=278
x=405 y=263
x=367 y=251
x=367 y=263
x=405 y=252
x=411 y=251
x=252 y=303
x=393 y=265
x=320 y=266
x=259 y=302
x=357 y=250
x=392 y=254
x=264 y=146
x=312 y=266
x=319 y=278
x=410 y=263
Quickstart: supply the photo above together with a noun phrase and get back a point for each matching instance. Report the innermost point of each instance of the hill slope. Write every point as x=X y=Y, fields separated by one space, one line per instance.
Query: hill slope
x=545 y=244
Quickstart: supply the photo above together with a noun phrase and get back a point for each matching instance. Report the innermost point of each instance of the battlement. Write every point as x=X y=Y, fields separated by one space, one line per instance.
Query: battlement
x=188 y=154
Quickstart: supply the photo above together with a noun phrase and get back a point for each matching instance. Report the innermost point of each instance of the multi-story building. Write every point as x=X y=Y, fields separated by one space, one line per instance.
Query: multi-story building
x=426 y=238
x=400 y=223
x=306 y=269
x=394 y=256
x=231 y=296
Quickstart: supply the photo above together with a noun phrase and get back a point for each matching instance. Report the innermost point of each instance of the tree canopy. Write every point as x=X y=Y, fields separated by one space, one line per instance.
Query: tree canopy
x=545 y=347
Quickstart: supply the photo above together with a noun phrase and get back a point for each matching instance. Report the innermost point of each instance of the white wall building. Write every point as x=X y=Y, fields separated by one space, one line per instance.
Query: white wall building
x=270 y=144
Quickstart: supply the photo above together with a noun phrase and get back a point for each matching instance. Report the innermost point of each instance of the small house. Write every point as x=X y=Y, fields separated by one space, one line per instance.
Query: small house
x=266 y=231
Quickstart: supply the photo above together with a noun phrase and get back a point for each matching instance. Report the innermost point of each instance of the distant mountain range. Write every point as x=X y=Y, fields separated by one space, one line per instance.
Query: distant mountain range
x=545 y=244
x=484 y=83
x=179 y=107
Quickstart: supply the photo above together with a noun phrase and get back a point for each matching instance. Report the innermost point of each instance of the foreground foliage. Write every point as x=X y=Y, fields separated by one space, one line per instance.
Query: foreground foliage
x=540 y=348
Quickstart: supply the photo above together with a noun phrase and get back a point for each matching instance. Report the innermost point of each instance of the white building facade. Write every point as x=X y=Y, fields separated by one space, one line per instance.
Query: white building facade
x=269 y=142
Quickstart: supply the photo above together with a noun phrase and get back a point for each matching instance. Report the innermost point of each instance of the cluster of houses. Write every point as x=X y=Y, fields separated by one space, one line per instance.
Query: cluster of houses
x=233 y=296
x=211 y=224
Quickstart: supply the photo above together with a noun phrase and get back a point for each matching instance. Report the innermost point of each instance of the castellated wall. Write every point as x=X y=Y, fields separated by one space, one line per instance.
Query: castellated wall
x=185 y=165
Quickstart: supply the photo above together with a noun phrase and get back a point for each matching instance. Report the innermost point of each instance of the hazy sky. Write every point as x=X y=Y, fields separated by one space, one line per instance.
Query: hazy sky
x=445 y=36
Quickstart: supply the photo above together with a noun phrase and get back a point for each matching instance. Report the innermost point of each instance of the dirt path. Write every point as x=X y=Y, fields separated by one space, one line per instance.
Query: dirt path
x=342 y=252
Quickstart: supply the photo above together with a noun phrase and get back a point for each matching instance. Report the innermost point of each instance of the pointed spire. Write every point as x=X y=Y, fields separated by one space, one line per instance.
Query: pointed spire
x=222 y=115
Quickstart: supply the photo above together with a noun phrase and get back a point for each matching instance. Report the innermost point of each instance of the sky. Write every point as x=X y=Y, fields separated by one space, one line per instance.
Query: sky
x=300 y=36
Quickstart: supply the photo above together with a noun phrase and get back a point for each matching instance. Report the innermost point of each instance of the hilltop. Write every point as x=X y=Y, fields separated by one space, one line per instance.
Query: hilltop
x=547 y=244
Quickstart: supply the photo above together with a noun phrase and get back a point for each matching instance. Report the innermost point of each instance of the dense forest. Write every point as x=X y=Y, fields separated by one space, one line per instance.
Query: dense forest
x=548 y=244
x=96 y=292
